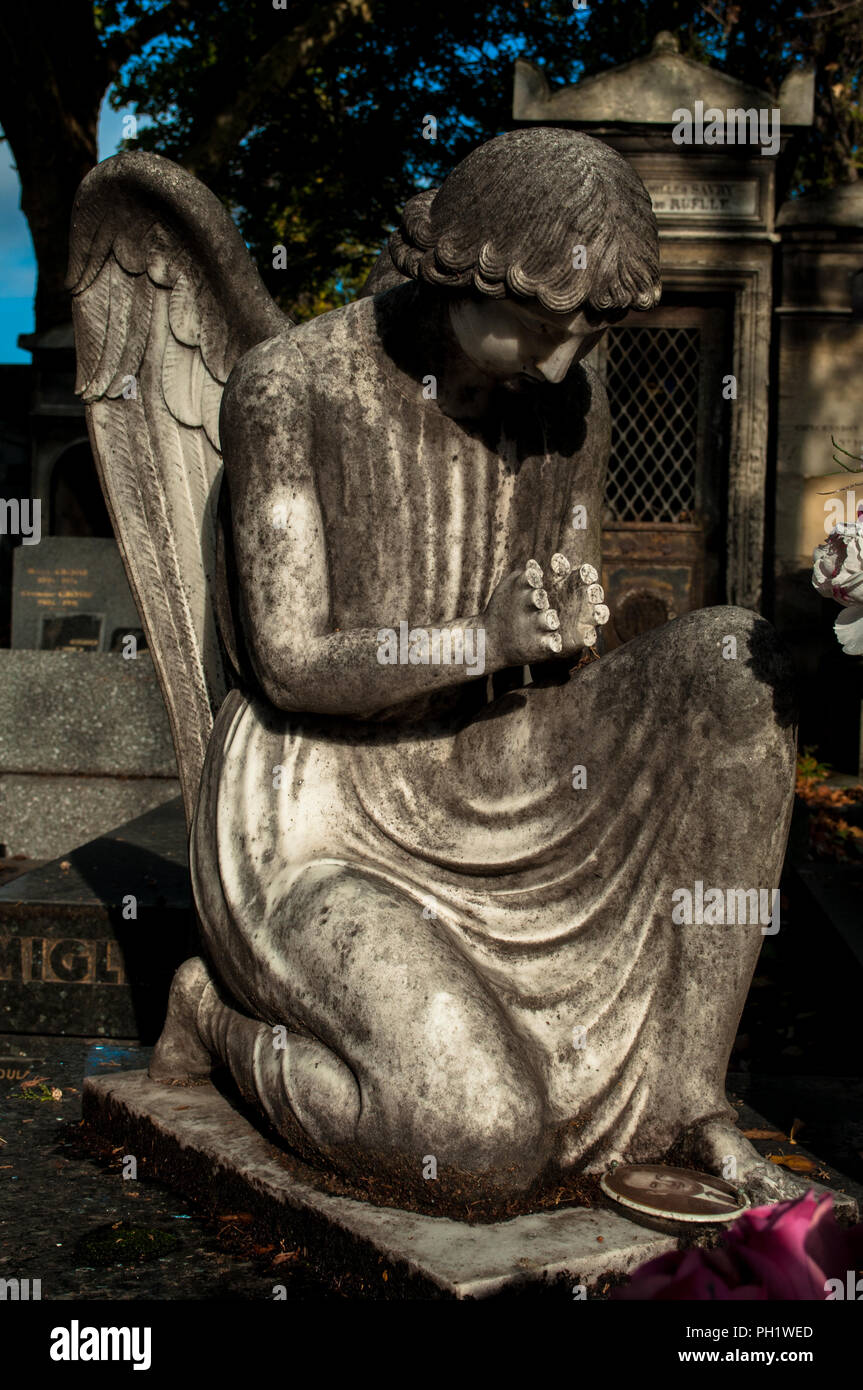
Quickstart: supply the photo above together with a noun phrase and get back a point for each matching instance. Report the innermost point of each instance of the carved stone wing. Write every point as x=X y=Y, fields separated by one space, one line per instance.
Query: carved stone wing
x=165 y=300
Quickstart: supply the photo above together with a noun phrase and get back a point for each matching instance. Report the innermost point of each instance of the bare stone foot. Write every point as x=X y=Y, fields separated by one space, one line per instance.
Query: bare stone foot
x=717 y=1147
x=180 y=1055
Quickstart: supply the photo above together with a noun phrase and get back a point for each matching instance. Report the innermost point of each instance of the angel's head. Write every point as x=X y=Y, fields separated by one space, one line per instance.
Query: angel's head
x=540 y=238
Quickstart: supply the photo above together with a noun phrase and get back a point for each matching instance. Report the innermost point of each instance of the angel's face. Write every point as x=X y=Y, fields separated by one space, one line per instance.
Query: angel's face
x=513 y=342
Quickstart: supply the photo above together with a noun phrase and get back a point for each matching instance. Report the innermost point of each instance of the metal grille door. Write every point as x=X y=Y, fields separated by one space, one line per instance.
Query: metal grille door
x=662 y=525
x=652 y=379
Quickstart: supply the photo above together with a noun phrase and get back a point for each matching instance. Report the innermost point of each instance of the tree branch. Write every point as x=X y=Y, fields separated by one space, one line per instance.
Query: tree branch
x=727 y=21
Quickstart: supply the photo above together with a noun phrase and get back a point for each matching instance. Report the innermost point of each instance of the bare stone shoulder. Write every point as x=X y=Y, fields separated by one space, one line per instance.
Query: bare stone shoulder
x=280 y=387
x=266 y=409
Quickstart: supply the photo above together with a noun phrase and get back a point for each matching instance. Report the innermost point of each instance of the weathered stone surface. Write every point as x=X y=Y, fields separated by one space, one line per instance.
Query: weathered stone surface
x=85 y=745
x=194 y=1130
x=44 y=817
x=70 y=713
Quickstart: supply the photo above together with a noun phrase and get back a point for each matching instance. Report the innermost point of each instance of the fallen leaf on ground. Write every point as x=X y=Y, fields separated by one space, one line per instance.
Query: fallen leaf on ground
x=795 y=1161
x=763 y=1134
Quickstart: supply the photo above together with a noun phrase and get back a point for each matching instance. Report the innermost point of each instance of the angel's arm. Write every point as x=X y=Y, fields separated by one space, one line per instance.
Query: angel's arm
x=301 y=662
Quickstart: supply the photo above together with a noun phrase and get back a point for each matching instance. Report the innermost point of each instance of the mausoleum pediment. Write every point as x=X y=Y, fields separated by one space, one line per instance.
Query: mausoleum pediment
x=648 y=90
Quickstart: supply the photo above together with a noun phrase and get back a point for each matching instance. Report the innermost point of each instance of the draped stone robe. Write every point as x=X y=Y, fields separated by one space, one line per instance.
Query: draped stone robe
x=557 y=889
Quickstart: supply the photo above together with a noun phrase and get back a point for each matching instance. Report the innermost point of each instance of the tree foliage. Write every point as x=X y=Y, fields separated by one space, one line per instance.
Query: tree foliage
x=334 y=154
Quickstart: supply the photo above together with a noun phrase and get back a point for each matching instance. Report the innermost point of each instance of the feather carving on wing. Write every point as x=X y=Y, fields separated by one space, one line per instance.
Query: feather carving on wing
x=165 y=300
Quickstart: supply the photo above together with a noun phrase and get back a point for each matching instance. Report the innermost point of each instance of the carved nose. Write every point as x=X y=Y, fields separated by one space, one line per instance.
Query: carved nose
x=555 y=367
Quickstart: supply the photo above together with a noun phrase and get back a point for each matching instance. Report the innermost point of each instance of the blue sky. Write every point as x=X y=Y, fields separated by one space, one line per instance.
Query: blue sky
x=17 y=262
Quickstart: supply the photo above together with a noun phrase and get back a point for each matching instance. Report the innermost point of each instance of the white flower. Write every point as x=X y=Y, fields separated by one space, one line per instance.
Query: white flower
x=837 y=573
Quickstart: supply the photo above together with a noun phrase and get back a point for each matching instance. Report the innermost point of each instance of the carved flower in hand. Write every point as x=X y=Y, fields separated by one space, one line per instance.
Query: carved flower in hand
x=837 y=573
x=788 y=1250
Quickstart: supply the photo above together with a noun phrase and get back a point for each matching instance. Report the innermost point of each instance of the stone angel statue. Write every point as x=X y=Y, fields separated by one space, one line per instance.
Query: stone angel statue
x=435 y=848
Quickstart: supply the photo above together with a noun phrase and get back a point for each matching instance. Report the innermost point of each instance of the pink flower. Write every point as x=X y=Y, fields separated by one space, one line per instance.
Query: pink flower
x=837 y=573
x=785 y=1251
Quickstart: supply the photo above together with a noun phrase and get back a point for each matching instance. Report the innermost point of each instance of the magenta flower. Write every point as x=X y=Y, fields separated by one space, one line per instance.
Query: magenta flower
x=785 y=1251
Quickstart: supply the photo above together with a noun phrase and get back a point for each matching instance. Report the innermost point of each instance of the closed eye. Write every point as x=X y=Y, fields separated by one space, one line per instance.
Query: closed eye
x=552 y=334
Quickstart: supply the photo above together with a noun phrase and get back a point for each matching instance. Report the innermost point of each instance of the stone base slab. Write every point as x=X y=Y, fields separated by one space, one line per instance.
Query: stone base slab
x=196 y=1140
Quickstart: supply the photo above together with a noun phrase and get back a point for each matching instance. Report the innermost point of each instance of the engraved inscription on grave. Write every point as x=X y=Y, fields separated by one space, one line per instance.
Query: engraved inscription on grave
x=50 y=960
x=71 y=594
x=704 y=198
x=13 y=1073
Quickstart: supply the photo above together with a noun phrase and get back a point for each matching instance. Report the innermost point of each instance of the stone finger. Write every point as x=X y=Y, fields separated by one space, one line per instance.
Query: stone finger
x=549 y=620
x=539 y=598
x=588 y=574
x=553 y=642
x=533 y=574
x=601 y=614
x=595 y=593
x=560 y=566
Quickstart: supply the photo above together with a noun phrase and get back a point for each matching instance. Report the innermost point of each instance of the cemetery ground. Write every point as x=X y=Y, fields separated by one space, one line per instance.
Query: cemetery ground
x=72 y=1220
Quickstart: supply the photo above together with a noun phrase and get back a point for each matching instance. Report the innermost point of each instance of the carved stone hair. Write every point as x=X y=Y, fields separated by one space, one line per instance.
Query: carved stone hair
x=507 y=220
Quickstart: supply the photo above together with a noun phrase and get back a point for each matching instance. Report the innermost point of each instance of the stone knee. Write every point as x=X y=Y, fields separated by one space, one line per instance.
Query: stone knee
x=473 y=1103
x=502 y=1134
x=733 y=664
x=407 y=1052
